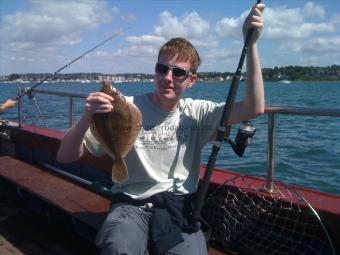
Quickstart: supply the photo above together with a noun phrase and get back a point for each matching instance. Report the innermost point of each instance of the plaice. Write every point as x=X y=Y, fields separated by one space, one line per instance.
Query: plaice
x=117 y=130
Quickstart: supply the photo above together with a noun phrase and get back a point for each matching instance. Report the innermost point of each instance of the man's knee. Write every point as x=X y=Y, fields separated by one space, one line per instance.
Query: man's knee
x=113 y=248
x=193 y=244
x=127 y=240
x=125 y=231
x=123 y=247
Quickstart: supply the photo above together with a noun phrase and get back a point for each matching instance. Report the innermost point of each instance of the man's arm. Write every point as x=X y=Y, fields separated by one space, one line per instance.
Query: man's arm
x=253 y=103
x=7 y=105
x=71 y=147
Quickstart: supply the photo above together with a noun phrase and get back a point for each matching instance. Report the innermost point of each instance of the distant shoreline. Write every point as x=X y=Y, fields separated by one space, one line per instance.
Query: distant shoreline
x=286 y=74
x=145 y=82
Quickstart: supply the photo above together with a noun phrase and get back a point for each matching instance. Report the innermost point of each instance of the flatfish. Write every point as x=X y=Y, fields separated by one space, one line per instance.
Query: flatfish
x=117 y=130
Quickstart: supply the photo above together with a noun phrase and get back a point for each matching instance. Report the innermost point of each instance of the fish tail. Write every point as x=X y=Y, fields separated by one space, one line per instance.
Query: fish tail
x=119 y=170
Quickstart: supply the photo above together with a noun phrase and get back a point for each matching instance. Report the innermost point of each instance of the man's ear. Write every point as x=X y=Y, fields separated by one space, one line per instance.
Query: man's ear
x=192 y=80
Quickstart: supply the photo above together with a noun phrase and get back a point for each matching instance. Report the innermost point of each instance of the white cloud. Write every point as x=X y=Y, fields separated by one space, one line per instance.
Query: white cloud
x=336 y=20
x=295 y=23
x=196 y=26
x=190 y=26
x=230 y=26
x=138 y=51
x=313 y=11
x=294 y=30
x=132 y=51
x=222 y=54
x=51 y=24
x=136 y=58
x=323 y=44
x=209 y=41
x=103 y=55
x=36 y=35
x=146 y=39
x=300 y=29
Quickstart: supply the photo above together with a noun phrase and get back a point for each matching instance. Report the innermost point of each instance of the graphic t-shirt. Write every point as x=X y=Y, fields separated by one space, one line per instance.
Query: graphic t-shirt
x=167 y=152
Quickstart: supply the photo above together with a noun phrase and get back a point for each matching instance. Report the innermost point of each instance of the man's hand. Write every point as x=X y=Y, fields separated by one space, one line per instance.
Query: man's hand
x=7 y=105
x=98 y=102
x=254 y=20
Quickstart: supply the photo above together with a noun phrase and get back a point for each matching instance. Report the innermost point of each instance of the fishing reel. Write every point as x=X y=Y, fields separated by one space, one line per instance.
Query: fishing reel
x=243 y=138
x=28 y=91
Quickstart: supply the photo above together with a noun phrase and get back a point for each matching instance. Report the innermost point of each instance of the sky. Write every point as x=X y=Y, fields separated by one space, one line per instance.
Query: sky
x=38 y=36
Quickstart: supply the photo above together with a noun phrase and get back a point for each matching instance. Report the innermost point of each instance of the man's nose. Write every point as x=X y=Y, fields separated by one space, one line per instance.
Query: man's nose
x=168 y=75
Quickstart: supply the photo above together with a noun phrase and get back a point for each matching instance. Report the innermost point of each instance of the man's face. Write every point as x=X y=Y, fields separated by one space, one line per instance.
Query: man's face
x=170 y=82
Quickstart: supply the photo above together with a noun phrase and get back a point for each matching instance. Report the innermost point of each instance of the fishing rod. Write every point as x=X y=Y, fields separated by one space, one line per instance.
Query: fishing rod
x=223 y=130
x=11 y=102
x=101 y=187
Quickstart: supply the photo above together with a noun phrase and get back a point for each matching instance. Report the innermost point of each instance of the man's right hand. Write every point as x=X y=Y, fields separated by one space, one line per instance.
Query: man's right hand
x=98 y=102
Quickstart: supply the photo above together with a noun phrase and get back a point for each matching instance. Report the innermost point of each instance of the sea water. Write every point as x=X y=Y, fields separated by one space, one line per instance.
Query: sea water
x=307 y=148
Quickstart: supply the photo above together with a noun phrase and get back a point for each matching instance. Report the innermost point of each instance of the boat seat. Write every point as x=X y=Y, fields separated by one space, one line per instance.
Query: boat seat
x=77 y=201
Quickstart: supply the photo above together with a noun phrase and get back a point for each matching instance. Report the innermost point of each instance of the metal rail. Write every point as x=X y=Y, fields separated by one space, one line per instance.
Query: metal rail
x=70 y=95
x=271 y=111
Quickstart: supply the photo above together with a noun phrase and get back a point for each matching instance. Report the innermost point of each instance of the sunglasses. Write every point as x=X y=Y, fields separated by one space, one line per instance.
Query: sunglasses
x=177 y=72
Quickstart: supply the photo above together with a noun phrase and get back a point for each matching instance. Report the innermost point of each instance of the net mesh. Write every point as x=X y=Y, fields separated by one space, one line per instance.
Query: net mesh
x=248 y=220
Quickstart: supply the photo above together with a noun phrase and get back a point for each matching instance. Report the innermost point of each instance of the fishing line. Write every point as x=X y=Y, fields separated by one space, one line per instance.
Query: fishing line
x=69 y=64
x=29 y=91
x=32 y=97
x=39 y=111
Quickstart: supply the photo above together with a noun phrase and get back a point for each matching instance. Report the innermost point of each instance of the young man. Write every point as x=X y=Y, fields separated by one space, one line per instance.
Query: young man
x=164 y=162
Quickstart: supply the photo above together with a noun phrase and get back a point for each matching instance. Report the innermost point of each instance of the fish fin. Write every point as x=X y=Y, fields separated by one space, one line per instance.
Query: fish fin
x=119 y=170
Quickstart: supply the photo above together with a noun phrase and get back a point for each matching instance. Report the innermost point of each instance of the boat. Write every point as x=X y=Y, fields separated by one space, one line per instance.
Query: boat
x=246 y=214
x=285 y=81
x=283 y=77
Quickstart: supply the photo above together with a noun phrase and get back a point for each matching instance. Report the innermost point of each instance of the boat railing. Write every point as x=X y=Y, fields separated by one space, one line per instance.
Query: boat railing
x=71 y=96
x=271 y=111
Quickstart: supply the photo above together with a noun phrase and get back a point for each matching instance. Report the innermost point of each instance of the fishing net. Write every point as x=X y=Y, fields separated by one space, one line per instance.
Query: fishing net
x=248 y=220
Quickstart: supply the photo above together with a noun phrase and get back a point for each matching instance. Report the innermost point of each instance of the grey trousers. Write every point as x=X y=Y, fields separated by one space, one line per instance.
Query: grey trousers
x=125 y=231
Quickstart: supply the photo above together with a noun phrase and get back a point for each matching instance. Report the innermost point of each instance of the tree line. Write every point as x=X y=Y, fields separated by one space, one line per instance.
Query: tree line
x=293 y=73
